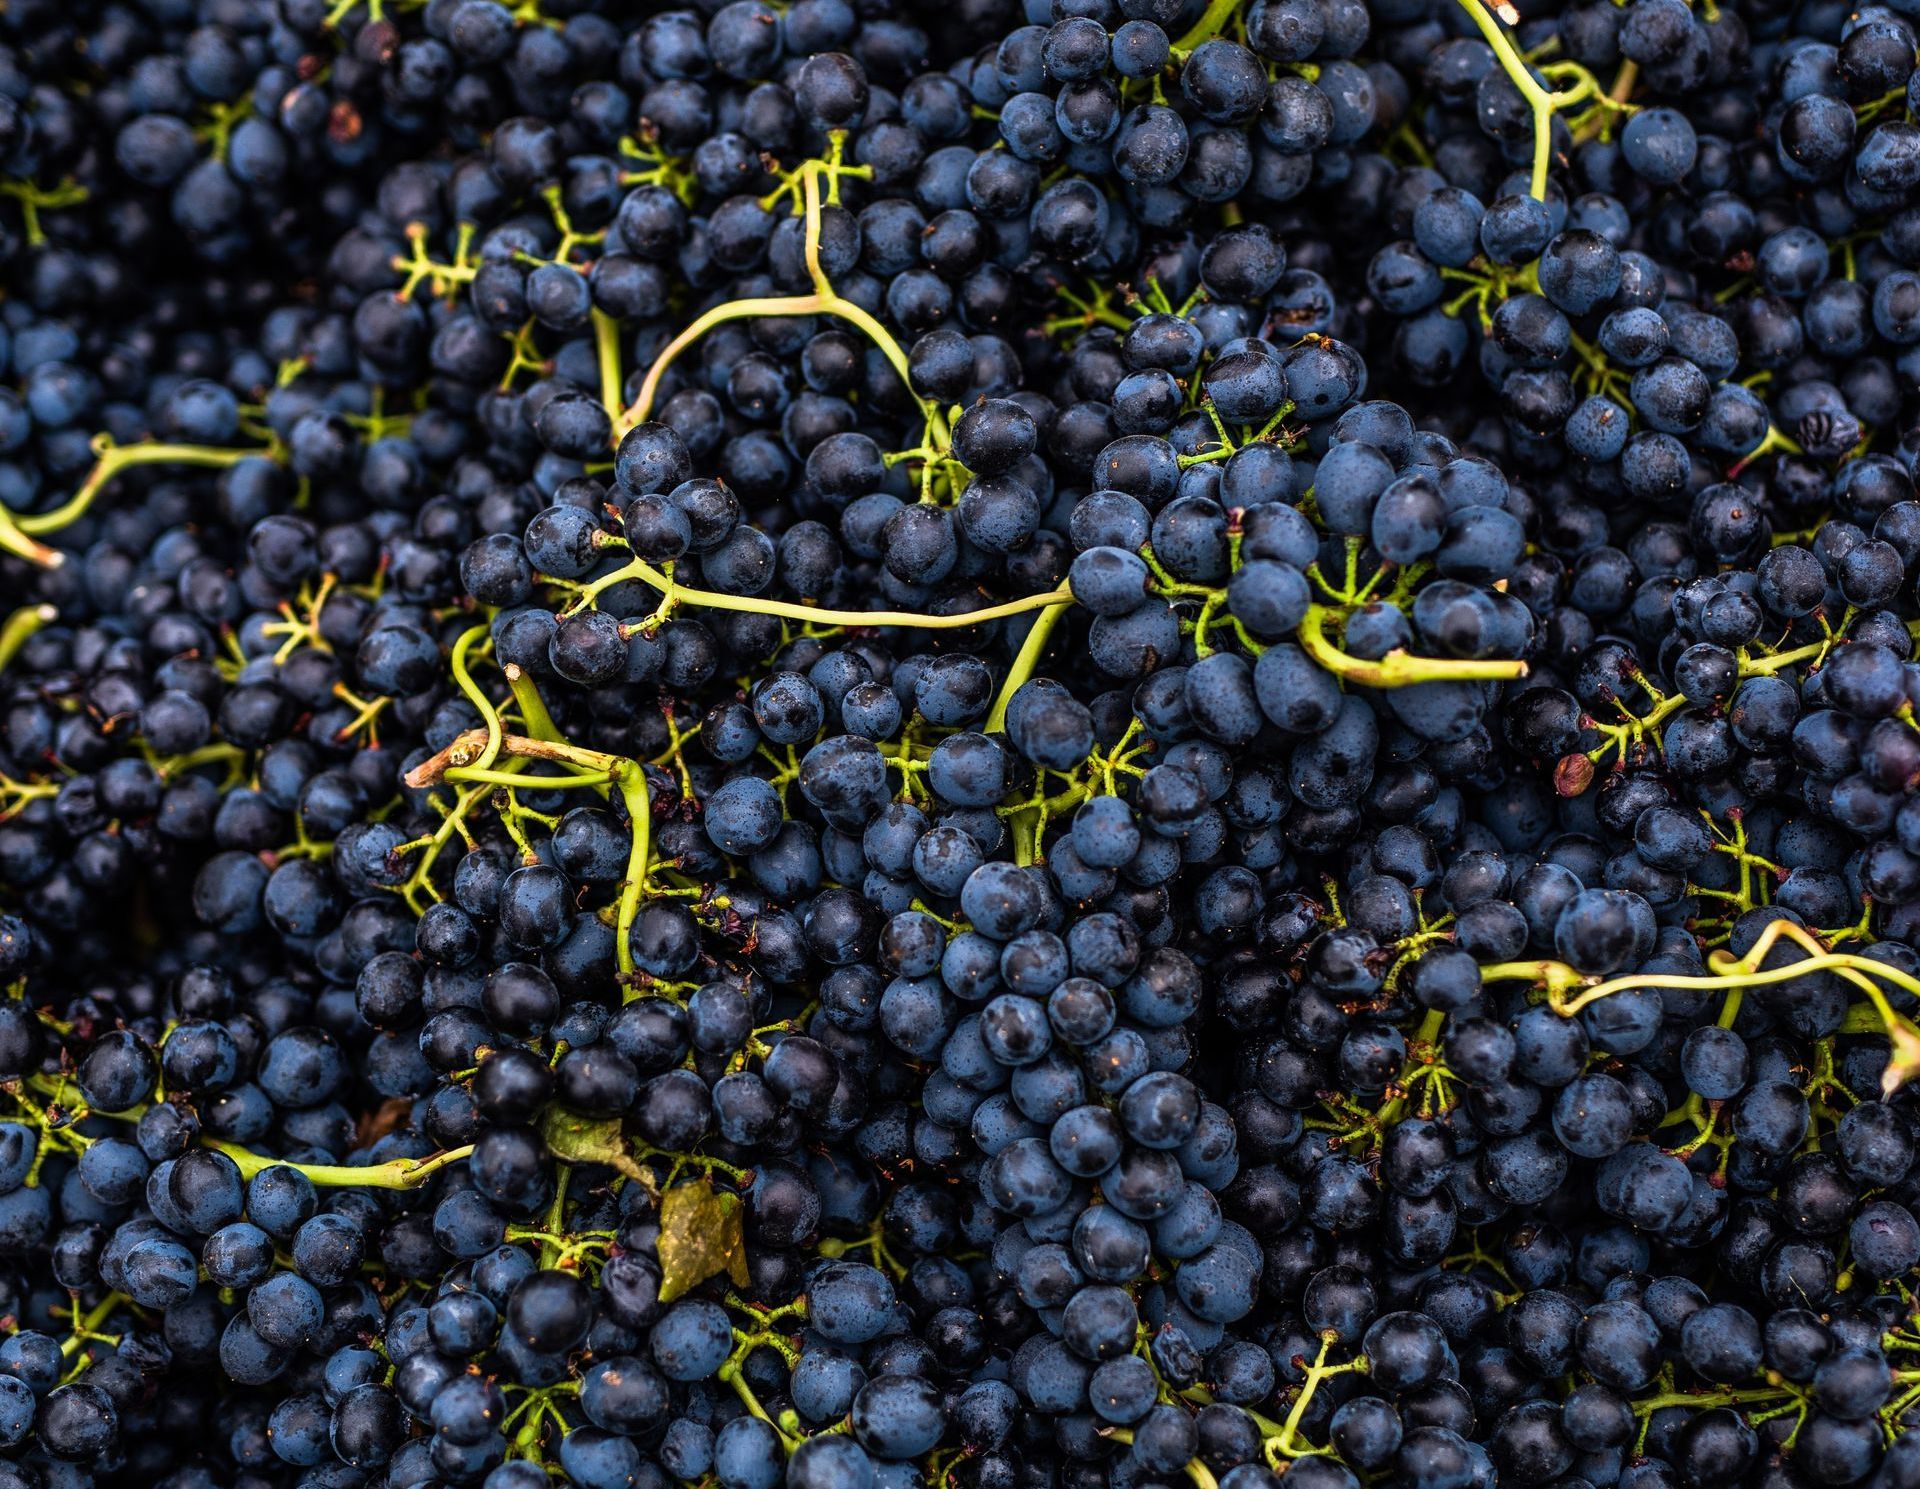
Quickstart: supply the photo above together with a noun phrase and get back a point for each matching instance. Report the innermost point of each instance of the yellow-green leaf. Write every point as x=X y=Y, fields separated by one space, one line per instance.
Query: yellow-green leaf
x=573 y=1138
x=701 y=1235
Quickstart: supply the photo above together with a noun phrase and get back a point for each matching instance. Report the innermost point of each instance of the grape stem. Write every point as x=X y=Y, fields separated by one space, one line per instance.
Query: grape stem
x=1287 y=1445
x=730 y=1374
x=1710 y=1397
x=533 y=708
x=401 y=1173
x=13 y=541
x=1212 y=21
x=606 y=342
x=673 y=593
x=18 y=533
x=1201 y=1475
x=458 y=764
x=19 y=629
x=1023 y=664
x=1732 y=973
x=1398 y=668
x=824 y=300
x=471 y=747
x=482 y=704
x=1539 y=100
x=86 y=1330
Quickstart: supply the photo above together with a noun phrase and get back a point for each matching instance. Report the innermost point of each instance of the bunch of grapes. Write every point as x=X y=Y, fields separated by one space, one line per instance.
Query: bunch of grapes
x=807 y=745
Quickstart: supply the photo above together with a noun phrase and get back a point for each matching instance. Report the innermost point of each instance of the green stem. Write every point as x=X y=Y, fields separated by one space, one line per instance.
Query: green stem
x=481 y=703
x=592 y=768
x=824 y=300
x=14 y=541
x=606 y=341
x=1539 y=100
x=647 y=574
x=88 y=1328
x=115 y=458
x=730 y=1373
x=1397 y=669
x=20 y=627
x=1211 y=21
x=533 y=708
x=1024 y=663
x=1765 y=666
x=771 y=306
x=551 y=1247
x=1721 y=1396
x=632 y=780
x=474 y=776
x=401 y=1173
x=1732 y=973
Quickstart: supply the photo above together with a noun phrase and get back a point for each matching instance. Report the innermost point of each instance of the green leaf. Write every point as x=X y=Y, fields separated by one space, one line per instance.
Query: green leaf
x=573 y=1138
x=702 y=1234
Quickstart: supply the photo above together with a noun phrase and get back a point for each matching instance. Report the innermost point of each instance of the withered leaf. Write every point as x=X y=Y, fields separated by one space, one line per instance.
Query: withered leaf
x=701 y=1235
x=577 y=1139
x=387 y=1117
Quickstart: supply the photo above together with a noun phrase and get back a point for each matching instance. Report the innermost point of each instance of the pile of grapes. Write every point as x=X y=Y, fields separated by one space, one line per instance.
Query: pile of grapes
x=1017 y=744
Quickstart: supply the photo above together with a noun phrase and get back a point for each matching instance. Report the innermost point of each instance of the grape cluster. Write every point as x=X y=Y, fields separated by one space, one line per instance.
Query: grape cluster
x=807 y=745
